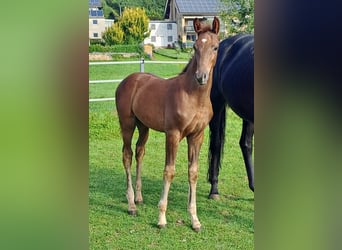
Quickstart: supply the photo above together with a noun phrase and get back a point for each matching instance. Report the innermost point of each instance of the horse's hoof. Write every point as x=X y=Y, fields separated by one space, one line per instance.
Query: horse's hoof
x=139 y=202
x=197 y=229
x=214 y=196
x=162 y=226
x=132 y=212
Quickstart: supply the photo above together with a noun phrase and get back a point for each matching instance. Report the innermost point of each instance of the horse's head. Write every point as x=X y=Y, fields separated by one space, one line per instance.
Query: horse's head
x=206 y=47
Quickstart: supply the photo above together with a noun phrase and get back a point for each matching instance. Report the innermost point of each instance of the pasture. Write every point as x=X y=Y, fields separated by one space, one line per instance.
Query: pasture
x=227 y=223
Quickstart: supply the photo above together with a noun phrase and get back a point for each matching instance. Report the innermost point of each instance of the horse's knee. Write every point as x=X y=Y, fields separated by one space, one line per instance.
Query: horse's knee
x=245 y=144
x=193 y=174
x=127 y=154
x=140 y=152
x=169 y=173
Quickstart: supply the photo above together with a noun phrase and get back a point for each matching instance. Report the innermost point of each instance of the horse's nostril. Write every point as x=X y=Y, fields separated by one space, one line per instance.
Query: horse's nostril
x=199 y=79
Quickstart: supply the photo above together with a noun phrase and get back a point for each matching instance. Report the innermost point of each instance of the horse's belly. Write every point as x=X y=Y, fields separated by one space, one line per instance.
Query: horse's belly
x=150 y=119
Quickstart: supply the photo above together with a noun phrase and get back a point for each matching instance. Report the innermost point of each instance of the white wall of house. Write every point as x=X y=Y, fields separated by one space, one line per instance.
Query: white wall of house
x=163 y=33
x=109 y=23
x=97 y=26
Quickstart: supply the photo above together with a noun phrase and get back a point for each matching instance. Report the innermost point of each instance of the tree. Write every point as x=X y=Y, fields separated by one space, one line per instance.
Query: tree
x=113 y=35
x=131 y=28
x=111 y=9
x=134 y=24
x=239 y=16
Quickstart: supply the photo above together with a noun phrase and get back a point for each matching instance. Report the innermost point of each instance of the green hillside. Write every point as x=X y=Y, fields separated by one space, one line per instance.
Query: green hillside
x=154 y=8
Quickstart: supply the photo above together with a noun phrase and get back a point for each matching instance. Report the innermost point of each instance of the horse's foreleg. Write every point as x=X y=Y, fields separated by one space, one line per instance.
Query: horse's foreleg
x=194 y=146
x=246 y=145
x=139 y=155
x=172 y=142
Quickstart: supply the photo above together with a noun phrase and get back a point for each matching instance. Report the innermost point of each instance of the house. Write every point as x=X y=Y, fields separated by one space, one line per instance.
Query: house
x=97 y=22
x=163 y=33
x=183 y=12
x=177 y=25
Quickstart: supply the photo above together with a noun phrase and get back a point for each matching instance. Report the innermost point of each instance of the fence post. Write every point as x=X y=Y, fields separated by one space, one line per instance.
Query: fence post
x=142 y=64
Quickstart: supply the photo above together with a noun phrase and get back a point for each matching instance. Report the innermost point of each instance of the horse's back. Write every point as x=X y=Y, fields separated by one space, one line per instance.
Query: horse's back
x=137 y=84
x=234 y=74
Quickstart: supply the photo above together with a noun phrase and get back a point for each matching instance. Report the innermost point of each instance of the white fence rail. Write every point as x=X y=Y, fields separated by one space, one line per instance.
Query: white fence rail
x=141 y=62
x=105 y=81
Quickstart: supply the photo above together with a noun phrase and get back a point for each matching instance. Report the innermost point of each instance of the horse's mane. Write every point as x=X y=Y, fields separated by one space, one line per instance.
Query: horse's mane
x=187 y=66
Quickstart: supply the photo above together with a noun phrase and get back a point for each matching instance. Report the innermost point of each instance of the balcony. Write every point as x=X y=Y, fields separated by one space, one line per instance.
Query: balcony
x=189 y=28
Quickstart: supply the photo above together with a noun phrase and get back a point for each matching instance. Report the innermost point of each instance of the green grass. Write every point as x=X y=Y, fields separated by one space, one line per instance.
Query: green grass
x=172 y=53
x=109 y=72
x=102 y=90
x=116 y=72
x=226 y=224
x=120 y=71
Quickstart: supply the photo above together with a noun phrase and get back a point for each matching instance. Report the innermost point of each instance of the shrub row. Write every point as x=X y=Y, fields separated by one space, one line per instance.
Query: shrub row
x=116 y=48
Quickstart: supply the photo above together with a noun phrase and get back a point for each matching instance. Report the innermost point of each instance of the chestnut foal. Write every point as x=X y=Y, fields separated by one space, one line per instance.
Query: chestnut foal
x=180 y=107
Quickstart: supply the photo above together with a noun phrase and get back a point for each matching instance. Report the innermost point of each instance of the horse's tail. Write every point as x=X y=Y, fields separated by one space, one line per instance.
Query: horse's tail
x=217 y=127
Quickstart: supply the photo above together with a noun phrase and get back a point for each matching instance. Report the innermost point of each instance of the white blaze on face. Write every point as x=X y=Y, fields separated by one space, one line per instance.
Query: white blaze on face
x=204 y=40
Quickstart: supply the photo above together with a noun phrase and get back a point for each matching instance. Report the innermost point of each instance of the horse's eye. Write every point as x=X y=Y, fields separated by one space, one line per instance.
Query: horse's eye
x=215 y=49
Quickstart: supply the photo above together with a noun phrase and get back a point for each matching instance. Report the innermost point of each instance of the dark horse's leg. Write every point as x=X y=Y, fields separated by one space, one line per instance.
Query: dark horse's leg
x=246 y=145
x=217 y=134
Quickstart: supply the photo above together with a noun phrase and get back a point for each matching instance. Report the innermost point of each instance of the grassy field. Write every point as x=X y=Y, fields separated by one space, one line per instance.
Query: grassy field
x=226 y=224
x=109 y=72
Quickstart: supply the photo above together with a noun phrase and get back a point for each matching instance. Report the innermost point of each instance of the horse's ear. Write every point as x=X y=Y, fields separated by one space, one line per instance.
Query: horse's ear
x=197 y=25
x=216 y=25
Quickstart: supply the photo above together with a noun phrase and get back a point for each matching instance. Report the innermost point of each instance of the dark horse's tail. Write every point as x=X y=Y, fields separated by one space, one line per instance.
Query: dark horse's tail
x=217 y=127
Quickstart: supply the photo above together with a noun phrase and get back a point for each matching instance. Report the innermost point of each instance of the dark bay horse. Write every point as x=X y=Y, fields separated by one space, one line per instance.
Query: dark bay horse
x=180 y=107
x=233 y=86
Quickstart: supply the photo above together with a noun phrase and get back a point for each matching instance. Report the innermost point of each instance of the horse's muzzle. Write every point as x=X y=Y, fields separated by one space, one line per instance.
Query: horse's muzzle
x=201 y=78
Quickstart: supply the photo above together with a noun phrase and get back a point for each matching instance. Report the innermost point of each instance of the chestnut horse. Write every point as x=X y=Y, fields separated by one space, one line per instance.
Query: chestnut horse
x=180 y=107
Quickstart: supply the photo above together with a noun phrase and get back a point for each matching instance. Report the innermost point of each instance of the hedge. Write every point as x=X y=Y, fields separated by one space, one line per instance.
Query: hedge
x=116 y=48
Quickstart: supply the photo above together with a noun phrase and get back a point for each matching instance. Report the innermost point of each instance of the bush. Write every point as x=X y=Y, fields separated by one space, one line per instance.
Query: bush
x=97 y=41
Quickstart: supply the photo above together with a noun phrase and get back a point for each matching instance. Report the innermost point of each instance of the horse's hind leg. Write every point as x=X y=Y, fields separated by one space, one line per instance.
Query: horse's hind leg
x=139 y=155
x=217 y=135
x=127 y=130
x=246 y=145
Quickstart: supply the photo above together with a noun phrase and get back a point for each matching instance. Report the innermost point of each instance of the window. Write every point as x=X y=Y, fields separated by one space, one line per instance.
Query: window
x=153 y=39
x=169 y=26
x=95 y=34
x=94 y=21
x=169 y=39
x=191 y=37
x=153 y=26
